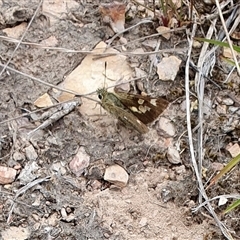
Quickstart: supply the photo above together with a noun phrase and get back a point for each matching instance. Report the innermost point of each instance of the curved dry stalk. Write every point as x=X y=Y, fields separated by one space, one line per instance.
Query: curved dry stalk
x=125 y=30
x=227 y=36
x=196 y=167
x=38 y=45
x=230 y=196
x=40 y=81
x=29 y=24
x=23 y=190
x=200 y=92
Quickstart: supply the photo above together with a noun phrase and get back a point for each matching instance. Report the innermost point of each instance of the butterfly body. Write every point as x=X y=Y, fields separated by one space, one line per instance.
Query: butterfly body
x=132 y=109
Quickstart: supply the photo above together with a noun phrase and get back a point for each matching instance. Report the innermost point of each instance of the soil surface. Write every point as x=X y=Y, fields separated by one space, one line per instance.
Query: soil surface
x=162 y=189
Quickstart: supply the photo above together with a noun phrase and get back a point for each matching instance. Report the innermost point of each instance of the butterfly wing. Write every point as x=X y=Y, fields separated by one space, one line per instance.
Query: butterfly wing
x=126 y=117
x=145 y=108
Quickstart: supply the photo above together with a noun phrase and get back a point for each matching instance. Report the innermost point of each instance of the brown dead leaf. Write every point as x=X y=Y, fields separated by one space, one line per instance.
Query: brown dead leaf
x=114 y=14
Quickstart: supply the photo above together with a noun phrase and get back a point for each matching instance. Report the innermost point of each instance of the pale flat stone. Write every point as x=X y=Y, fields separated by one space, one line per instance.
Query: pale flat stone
x=166 y=127
x=173 y=156
x=116 y=175
x=29 y=172
x=196 y=44
x=7 y=175
x=79 y=162
x=168 y=68
x=31 y=153
x=234 y=149
x=228 y=101
x=165 y=32
x=17 y=31
x=221 y=109
x=15 y=233
x=55 y=10
x=43 y=101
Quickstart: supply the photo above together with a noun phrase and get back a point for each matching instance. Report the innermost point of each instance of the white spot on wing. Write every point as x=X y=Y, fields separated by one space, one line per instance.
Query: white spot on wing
x=134 y=109
x=153 y=101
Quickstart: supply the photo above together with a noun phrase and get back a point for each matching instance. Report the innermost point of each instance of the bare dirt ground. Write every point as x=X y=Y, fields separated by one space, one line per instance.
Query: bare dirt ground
x=158 y=199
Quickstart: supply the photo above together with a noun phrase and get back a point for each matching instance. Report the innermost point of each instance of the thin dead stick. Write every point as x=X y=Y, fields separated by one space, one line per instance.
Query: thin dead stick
x=227 y=36
x=223 y=228
x=13 y=53
x=48 y=84
x=231 y=196
x=35 y=111
x=152 y=36
x=65 y=109
x=41 y=81
x=206 y=61
x=100 y=55
x=37 y=45
x=173 y=50
x=24 y=189
x=153 y=57
x=209 y=79
x=140 y=4
x=188 y=107
x=127 y=29
x=62 y=89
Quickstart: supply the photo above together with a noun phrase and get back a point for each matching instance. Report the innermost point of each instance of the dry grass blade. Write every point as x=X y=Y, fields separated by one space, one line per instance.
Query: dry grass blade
x=227 y=36
x=13 y=53
x=23 y=190
x=198 y=167
x=225 y=170
x=233 y=206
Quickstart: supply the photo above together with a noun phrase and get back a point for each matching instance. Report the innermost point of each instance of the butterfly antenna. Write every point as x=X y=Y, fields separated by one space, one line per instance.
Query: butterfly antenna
x=105 y=74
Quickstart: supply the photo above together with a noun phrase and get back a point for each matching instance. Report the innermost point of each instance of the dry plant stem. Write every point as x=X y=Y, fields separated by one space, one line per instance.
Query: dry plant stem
x=35 y=111
x=51 y=85
x=24 y=189
x=173 y=50
x=4 y=38
x=12 y=126
x=234 y=14
x=152 y=36
x=153 y=57
x=205 y=56
x=40 y=81
x=201 y=73
x=37 y=45
x=209 y=58
x=188 y=111
x=205 y=63
x=97 y=54
x=230 y=196
x=229 y=75
x=125 y=30
x=227 y=35
x=65 y=109
x=196 y=168
x=233 y=28
x=138 y=3
x=13 y=53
